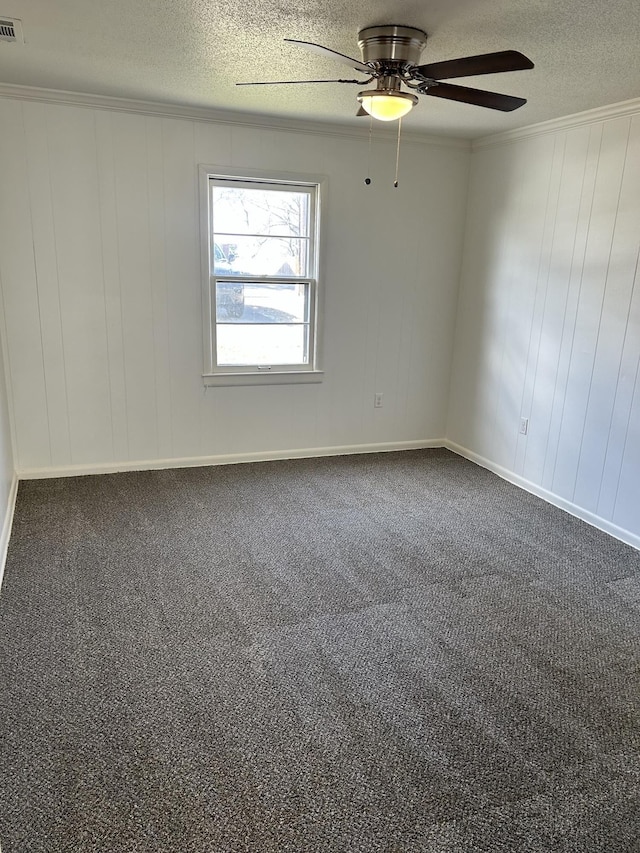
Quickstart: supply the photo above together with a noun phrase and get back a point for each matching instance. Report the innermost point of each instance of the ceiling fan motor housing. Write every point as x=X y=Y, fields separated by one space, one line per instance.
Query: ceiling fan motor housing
x=392 y=44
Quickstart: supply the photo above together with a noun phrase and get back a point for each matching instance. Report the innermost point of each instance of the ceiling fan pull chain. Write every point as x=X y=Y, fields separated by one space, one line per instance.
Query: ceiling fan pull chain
x=395 y=183
x=367 y=180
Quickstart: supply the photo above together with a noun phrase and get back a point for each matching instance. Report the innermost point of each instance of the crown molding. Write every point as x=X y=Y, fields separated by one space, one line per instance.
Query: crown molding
x=235 y=119
x=619 y=110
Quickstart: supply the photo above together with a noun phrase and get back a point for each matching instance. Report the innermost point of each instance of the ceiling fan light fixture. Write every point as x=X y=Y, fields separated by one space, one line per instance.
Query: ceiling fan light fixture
x=387 y=104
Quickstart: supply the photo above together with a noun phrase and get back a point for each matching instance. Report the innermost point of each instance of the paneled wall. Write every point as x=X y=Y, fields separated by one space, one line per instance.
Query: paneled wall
x=8 y=482
x=549 y=316
x=100 y=271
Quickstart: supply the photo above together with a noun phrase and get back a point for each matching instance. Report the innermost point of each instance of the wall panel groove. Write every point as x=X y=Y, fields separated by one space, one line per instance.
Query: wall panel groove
x=578 y=303
x=100 y=274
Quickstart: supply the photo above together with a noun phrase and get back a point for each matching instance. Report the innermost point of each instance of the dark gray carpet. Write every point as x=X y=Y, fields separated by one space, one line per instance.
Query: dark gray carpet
x=386 y=653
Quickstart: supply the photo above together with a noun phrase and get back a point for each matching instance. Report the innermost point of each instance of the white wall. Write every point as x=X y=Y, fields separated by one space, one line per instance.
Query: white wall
x=100 y=269
x=549 y=317
x=8 y=480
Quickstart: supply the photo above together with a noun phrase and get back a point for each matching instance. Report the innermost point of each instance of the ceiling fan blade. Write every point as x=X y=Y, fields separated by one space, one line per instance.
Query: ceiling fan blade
x=362 y=112
x=492 y=100
x=332 y=54
x=291 y=82
x=469 y=66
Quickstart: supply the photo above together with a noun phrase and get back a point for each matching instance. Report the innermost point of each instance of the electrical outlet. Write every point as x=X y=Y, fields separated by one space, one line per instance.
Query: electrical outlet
x=377 y=401
x=524 y=426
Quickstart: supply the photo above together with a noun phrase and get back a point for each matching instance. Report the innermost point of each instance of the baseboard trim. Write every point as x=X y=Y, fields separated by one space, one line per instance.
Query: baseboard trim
x=591 y=518
x=594 y=520
x=8 y=521
x=224 y=459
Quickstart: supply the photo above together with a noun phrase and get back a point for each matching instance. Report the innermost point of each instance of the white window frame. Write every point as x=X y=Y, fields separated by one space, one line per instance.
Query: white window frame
x=215 y=374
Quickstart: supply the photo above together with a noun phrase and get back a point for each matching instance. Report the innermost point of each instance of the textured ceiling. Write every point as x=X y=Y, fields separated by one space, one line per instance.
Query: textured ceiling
x=192 y=52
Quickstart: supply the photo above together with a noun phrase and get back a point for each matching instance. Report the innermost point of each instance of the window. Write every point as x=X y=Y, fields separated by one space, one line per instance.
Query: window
x=260 y=266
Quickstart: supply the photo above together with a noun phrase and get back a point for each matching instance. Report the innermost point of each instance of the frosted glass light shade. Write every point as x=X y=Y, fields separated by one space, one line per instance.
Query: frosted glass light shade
x=387 y=106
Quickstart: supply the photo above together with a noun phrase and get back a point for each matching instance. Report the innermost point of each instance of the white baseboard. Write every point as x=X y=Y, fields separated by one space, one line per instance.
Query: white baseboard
x=342 y=450
x=573 y=509
x=224 y=459
x=8 y=521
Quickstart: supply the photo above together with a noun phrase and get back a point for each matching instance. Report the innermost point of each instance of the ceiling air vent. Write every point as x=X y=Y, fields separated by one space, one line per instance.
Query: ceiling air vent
x=11 y=29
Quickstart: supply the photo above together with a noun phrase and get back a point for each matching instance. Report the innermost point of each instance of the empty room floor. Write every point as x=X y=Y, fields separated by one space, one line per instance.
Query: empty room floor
x=381 y=654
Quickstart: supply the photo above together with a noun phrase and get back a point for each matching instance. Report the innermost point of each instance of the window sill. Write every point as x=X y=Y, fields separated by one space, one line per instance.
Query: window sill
x=296 y=377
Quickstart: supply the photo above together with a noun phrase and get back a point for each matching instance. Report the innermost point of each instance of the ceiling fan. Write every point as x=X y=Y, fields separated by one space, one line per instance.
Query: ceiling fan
x=390 y=56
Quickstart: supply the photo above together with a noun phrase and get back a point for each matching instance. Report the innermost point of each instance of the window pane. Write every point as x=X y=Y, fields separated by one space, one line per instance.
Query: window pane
x=244 y=345
x=276 y=256
x=261 y=240
x=237 y=210
x=262 y=303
